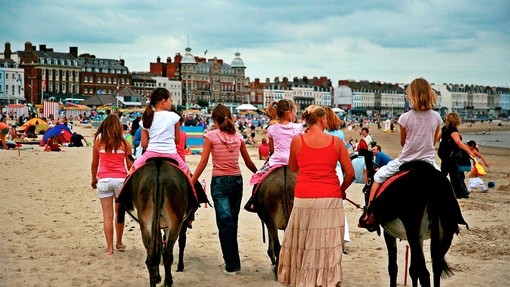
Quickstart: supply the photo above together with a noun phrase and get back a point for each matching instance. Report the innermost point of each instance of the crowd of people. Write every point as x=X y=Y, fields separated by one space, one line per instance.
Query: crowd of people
x=313 y=145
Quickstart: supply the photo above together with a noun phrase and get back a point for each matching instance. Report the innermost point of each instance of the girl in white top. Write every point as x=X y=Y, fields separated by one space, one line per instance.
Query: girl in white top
x=419 y=128
x=161 y=131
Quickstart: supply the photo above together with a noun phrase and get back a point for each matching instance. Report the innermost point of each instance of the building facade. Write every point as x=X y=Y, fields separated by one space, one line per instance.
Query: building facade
x=12 y=79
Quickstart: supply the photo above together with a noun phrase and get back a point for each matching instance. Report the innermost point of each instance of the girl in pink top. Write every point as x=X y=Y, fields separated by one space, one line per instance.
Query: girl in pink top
x=225 y=144
x=280 y=135
x=419 y=129
x=110 y=162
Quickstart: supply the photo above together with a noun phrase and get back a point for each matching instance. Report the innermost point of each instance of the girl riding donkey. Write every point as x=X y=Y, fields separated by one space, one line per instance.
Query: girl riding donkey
x=419 y=128
x=280 y=135
x=160 y=136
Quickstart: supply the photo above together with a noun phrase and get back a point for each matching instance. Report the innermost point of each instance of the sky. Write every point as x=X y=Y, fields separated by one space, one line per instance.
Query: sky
x=453 y=41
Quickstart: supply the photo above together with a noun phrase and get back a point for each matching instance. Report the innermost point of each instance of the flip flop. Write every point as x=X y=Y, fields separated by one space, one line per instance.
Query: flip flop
x=120 y=247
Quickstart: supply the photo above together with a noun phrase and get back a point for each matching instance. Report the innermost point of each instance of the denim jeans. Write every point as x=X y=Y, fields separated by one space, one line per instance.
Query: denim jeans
x=227 y=192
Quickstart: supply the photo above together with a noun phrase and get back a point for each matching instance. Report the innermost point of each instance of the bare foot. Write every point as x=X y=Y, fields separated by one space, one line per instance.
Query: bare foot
x=120 y=246
x=109 y=251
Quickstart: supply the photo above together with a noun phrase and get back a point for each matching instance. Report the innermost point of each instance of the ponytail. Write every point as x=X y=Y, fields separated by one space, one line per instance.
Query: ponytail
x=157 y=96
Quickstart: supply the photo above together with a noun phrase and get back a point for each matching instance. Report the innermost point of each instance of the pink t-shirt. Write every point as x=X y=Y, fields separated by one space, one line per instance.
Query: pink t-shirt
x=420 y=129
x=111 y=164
x=225 y=152
x=282 y=136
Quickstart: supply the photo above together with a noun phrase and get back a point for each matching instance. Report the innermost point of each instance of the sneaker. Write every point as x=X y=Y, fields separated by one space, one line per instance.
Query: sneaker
x=230 y=273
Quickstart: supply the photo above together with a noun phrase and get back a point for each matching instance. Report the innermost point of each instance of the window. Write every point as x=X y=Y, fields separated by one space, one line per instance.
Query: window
x=7 y=89
x=64 y=88
x=63 y=75
x=50 y=73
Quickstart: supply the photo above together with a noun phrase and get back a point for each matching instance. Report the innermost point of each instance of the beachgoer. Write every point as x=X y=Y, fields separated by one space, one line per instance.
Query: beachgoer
x=311 y=252
x=125 y=121
x=380 y=158
x=419 y=128
x=76 y=140
x=161 y=131
x=360 y=170
x=451 y=142
x=52 y=144
x=474 y=176
x=4 y=130
x=333 y=128
x=110 y=162
x=225 y=144
x=364 y=150
x=280 y=135
x=264 y=150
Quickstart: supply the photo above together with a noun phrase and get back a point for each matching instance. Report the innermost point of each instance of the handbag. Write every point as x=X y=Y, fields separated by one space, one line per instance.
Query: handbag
x=462 y=159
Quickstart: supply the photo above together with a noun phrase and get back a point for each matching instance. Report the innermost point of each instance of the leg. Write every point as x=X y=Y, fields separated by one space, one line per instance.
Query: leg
x=119 y=227
x=417 y=269
x=107 y=207
x=391 y=245
x=227 y=210
x=182 y=246
x=2 y=139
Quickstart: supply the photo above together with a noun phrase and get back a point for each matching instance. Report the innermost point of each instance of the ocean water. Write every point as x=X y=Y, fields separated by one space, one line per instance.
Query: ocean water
x=489 y=138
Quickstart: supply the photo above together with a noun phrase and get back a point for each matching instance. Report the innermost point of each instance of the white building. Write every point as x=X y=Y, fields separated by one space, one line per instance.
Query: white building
x=11 y=82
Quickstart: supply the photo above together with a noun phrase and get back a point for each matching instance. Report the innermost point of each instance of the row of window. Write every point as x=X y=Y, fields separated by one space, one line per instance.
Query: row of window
x=61 y=62
x=104 y=70
x=104 y=80
x=12 y=90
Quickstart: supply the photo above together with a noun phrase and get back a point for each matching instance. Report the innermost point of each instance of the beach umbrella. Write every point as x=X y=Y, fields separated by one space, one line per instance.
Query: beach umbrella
x=246 y=107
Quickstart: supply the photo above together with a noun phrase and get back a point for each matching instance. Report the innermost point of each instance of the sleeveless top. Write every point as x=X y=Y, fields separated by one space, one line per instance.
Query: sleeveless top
x=111 y=164
x=317 y=175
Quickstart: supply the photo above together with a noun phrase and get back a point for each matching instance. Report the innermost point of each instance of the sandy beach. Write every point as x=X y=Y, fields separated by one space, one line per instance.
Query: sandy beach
x=52 y=228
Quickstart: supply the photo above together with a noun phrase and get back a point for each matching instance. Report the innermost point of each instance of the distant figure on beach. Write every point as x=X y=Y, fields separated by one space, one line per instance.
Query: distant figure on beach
x=419 y=129
x=264 y=150
x=52 y=144
x=110 y=162
x=380 y=158
x=225 y=144
x=4 y=130
x=474 y=176
x=77 y=140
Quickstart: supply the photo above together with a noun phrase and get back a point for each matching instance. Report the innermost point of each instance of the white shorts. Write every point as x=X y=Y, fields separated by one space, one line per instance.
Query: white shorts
x=107 y=187
x=393 y=166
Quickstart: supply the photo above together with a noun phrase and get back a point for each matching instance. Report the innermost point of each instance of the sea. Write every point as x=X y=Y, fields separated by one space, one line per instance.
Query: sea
x=489 y=138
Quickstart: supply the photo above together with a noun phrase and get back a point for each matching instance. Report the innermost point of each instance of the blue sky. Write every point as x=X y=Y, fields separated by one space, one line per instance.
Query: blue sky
x=454 y=41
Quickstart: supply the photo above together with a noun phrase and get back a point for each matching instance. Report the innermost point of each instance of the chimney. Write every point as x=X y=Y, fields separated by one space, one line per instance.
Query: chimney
x=158 y=60
x=7 y=51
x=73 y=51
x=42 y=48
x=48 y=49
x=122 y=62
x=28 y=47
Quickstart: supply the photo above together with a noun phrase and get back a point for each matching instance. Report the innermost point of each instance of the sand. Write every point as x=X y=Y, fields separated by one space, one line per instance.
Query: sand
x=52 y=229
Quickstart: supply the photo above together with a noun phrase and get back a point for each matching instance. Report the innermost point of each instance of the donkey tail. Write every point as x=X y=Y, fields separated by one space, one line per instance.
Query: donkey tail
x=440 y=242
x=156 y=242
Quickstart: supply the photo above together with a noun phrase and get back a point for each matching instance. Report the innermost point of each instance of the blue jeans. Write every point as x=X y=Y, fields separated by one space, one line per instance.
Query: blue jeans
x=227 y=192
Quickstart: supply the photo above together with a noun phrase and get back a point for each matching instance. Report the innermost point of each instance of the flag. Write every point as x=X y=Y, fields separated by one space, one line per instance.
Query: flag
x=205 y=52
x=44 y=84
x=118 y=89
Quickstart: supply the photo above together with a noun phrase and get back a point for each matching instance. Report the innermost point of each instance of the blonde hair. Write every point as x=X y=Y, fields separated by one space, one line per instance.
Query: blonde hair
x=333 y=122
x=452 y=120
x=420 y=95
x=312 y=114
x=276 y=110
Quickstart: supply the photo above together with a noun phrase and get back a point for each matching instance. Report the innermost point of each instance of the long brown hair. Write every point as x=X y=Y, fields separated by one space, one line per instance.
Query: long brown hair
x=223 y=117
x=333 y=122
x=276 y=110
x=110 y=134
x=157 y=96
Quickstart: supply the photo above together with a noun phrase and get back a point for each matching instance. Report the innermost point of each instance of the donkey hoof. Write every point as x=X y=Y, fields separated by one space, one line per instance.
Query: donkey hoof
x=180 y=268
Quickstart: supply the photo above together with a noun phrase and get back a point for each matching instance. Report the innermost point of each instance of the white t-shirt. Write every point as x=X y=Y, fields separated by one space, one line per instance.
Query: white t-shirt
x=420 y=129
x=162 y=132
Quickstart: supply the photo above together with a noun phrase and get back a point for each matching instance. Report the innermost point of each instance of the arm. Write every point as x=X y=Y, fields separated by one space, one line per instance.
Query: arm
x=128 y=154
x=95 y=164
x=271 y=145
x=402 y=136
x=478 y=154
x=460 y=144
x=437 y=134
x=346 y=164
x=295 y=147
x=247 y=159
x=203 y=160
x=177 y=133
x=145 y=139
